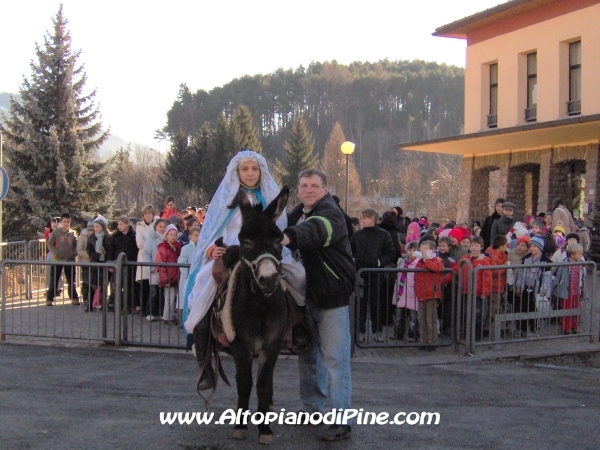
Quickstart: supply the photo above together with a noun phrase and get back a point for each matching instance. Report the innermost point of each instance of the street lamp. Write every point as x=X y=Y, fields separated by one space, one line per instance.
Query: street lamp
x=347 y=149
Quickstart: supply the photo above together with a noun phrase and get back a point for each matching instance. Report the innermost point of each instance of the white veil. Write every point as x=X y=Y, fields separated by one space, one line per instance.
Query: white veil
x=219 y=214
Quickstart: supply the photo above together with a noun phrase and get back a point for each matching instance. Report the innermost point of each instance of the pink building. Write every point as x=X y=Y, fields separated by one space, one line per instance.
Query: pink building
x=532 y=107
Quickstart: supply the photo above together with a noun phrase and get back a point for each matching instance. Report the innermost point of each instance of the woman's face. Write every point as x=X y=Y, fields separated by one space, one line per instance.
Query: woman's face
x=249 y=173
x=160 y=227
x=53 y=225
x=148 y=216
x=98 y=228
x=548 y=219
x=194 y=237
x=171 y=236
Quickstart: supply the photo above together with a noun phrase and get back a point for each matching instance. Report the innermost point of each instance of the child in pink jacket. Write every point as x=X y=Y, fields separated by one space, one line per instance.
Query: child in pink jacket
x=406 y=301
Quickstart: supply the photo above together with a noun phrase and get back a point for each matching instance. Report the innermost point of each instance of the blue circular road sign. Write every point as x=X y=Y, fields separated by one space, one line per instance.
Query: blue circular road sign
x=3 y=183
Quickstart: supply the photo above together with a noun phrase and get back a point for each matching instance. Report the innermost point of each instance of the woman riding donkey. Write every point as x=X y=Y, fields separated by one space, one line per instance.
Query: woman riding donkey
x=248 y=170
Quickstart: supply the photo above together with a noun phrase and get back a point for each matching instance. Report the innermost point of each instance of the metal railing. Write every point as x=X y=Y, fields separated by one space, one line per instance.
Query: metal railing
x=386 y=316
x=148 y=318
x=49 y=313
x=506 y=314
x=574 y=107
x=467 y=317
x=531 y=114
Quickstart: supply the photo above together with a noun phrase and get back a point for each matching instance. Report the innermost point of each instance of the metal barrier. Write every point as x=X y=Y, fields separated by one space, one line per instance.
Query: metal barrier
x=50 y=314
x=500 y=313
x=393 y=316
x=463 y=306
x=466 y=317
x=148 y=318
x=36 y=275
x=17 y=275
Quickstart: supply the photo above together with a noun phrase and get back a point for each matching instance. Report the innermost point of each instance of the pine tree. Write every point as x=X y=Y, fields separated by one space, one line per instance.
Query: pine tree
x=243 y=132
x=51 y=134
x=334 y=165
x=178 y=164
x=299 y=152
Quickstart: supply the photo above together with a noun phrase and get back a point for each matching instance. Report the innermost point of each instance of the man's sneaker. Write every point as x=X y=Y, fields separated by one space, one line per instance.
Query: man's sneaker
x=337 y=433
x=531 y=334
x=151 y=318
x=49 y=303
x=379 y=338
x=517 y=333
x=75 y=302
x=361 y=337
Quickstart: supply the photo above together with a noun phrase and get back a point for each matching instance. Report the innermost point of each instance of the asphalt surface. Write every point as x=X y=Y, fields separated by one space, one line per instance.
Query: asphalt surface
x=102 y=398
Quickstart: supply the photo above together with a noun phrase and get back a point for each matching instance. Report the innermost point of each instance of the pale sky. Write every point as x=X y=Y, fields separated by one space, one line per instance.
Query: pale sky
x=136 y=54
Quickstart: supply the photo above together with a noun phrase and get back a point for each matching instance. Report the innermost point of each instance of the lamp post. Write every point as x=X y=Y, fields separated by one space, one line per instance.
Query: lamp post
x=347 y=149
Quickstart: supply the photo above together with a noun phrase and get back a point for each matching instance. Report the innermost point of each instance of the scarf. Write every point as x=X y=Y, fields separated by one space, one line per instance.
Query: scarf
x=99 y=241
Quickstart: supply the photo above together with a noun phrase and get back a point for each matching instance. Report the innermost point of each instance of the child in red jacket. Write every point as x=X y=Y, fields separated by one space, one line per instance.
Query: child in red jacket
x=484 y=281
x=498 y=257
x=168 y=277
x=428 y=291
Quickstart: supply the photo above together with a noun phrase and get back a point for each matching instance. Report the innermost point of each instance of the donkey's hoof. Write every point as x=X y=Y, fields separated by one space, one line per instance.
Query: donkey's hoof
x=240 y=433
x=265 y=439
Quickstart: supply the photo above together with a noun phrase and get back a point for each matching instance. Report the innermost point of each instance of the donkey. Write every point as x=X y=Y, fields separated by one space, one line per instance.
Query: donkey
x=259 y=311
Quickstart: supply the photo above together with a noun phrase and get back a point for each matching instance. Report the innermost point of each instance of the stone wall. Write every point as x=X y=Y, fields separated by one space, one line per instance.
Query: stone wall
x=551 y=169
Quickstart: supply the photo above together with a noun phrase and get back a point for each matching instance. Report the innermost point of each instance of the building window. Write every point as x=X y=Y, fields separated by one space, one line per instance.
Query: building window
x=492 y=118
x=531 y=110
x=574 y=103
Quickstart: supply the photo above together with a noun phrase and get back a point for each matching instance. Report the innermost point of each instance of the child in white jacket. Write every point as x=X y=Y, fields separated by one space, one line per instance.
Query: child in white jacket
x=187 y=253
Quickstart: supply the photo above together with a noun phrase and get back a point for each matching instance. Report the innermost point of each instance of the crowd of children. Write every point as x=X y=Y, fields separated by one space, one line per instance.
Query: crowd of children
x=167 y=237
x=432 y=256
x=422 y=299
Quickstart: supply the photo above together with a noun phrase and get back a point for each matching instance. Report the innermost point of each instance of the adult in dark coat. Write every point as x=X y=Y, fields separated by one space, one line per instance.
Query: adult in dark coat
x=388 y=223
x=486 y=228
x=347 y=218
x=400 y=223
x=123 y=241
x=317 y=229
x=503 y=225
x=372 y=247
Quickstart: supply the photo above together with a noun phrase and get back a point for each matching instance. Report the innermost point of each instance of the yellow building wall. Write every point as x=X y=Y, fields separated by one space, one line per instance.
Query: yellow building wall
x=550 y=39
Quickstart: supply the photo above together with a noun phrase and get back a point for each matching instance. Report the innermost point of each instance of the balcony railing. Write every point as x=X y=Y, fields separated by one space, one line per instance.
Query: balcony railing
x=531 y=114
x=492 y=120
x=574 y=107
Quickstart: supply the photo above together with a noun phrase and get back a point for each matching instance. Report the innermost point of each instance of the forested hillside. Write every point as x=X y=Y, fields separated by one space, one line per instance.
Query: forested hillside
x=377 y=105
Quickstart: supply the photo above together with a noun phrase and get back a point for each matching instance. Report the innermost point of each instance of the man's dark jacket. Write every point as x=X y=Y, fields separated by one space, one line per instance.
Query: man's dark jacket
x=501 y=226
x=372 y=247
x=323 y=243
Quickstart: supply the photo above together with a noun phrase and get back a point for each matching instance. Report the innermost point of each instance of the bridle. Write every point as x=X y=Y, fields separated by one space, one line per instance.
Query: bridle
x=253 y=265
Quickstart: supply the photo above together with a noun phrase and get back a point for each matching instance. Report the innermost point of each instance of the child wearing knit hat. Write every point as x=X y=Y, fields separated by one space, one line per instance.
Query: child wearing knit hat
x=531 y=282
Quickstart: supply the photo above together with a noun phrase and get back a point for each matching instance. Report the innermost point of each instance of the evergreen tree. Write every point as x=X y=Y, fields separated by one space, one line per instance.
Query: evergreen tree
x=334 y=165
x=299 y=152
x=177 y=177
x=51 y=135
x=243 y=132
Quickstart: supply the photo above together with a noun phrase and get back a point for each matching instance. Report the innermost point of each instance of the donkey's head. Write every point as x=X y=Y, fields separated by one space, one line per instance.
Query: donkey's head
x=260 y=240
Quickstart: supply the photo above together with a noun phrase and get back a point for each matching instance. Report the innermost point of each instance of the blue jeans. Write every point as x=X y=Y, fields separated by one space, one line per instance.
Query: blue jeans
x=327 y=364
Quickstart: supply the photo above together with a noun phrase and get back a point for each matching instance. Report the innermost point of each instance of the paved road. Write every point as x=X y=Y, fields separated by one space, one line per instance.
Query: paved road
x=100 y=398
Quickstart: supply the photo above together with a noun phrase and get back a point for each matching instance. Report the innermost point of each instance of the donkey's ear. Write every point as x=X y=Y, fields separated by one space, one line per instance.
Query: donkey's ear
x=277 y=206
x=241 y=200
